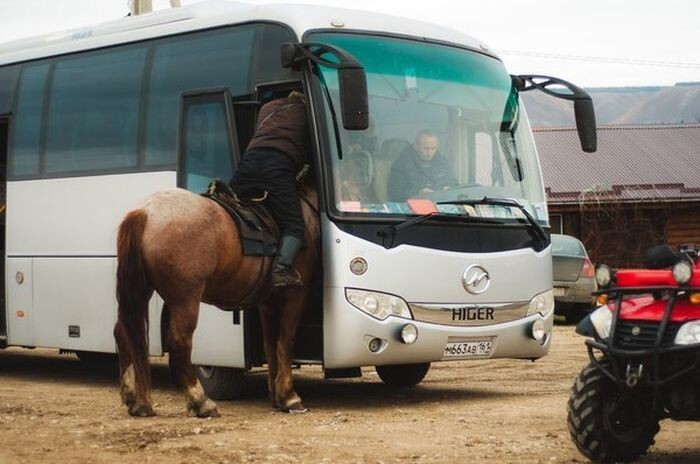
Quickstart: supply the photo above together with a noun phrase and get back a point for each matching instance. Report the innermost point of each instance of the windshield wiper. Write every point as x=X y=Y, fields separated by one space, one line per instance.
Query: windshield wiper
x=535 y=228
x=390 y=231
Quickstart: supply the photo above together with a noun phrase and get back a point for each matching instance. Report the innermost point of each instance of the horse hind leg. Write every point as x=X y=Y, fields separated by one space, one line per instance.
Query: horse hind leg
x=183 y=321
x=130 y=332
x=133 y=395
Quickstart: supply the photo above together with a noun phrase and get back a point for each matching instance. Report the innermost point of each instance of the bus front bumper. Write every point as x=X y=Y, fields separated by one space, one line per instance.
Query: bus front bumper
x=353 y=338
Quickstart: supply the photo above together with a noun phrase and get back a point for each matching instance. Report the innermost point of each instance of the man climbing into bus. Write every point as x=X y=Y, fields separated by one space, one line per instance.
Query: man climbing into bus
x=420 y=169
x=276 y=154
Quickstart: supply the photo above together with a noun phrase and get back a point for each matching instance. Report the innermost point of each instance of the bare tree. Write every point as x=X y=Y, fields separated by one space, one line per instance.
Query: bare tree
x=618 y=233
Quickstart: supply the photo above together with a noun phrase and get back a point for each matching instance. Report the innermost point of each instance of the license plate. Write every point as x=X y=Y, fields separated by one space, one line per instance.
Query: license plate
x=559 y=291
x=467 y=349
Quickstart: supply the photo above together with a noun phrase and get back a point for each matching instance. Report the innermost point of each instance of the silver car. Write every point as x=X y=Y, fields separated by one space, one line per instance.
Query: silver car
x=574 y=278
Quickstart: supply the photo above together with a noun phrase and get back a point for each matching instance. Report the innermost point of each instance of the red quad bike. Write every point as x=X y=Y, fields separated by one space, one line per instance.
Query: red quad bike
x=644 y=347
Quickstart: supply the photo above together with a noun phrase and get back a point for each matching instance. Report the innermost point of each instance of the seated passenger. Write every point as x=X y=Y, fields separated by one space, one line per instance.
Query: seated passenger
x=420 y=169
x=356 y=172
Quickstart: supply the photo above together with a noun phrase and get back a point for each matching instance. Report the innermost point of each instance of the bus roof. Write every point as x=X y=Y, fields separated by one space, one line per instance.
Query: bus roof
x=215 y=13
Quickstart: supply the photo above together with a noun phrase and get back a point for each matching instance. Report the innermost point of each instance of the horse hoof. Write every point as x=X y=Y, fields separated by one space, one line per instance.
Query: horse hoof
x=295 y=408
x=213 y=413
x=128 y=399
x=208 y=409
x=144 y=410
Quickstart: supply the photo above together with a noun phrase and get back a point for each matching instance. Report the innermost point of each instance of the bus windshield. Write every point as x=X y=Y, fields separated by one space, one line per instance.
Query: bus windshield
x=446 y=126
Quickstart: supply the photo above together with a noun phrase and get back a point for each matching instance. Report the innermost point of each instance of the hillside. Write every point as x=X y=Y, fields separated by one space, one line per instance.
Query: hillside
x=623 y=105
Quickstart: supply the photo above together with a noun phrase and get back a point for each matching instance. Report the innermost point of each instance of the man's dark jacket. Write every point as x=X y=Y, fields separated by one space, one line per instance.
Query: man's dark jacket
x=411 y=173
x=282 y=126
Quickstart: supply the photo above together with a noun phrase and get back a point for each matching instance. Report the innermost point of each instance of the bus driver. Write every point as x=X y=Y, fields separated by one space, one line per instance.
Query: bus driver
x=420 y=169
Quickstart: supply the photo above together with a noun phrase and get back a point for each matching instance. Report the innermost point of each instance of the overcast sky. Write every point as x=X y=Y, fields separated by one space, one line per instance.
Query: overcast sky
x=589 y=42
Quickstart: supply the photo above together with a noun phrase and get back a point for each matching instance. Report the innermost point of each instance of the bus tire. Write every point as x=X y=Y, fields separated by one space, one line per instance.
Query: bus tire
x=221 y=383
x=402 y=375
x=605 y=425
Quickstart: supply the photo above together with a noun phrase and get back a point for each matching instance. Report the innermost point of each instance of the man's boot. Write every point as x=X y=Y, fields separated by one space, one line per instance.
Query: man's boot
x=283 y=274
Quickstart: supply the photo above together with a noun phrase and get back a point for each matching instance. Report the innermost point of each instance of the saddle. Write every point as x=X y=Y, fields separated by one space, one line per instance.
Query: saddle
x=258 y=230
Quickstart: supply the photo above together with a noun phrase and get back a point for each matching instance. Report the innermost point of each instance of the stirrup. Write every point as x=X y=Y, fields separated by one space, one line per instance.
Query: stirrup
x=287 y=279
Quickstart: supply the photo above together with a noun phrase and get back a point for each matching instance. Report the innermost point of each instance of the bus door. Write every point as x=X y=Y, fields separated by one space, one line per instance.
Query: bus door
x=308 y=346
x=4 y=133
x=8 y=82
x=208 y=148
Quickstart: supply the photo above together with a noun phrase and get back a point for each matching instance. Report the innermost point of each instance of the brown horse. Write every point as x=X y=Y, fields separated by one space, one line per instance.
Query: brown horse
x=187 y=248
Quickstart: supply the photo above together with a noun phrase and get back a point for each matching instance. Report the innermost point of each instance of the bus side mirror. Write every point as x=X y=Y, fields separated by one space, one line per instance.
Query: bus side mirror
x=353 y=98
x=583 y=104
x=585 y=124
x=352 y=80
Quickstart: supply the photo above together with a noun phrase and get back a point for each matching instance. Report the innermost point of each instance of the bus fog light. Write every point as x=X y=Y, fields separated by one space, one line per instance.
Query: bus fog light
x=409 y=334
x=682 y=272
x=375 y=345
x=538 y=331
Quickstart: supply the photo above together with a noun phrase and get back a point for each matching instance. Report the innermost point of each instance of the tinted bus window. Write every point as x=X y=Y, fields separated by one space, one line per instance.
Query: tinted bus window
x=213 y=59
x=8 y=80
x=207 y=148
x=93 y=112
x=27 y=123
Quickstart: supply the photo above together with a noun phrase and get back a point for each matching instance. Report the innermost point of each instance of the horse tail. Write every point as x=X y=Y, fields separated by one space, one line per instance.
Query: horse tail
x=133 y=293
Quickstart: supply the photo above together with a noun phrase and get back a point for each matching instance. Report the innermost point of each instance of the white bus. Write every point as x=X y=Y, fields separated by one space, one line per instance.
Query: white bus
x=93 y=120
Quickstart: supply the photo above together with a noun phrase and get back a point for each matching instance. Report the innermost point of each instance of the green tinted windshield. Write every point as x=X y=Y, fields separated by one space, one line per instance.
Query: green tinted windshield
x=445 y=125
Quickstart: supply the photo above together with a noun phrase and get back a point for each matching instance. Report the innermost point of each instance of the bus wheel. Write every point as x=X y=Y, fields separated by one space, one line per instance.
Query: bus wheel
x=403 y=375
x=607 y=425
x=221 y=383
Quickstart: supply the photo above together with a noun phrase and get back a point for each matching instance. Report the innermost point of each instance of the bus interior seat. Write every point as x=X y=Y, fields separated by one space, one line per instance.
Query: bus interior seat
x=388 y=154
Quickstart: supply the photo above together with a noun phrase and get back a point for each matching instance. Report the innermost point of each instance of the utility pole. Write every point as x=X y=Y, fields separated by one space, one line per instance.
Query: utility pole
x=138 y=7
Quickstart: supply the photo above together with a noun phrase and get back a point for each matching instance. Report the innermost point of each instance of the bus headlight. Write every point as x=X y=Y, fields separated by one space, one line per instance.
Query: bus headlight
x=379 y=305
x=601 y=319
x=542 y=303
x=688 y=334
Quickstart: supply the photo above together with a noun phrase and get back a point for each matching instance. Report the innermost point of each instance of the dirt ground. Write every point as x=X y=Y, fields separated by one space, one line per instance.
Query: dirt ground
x=55 y=409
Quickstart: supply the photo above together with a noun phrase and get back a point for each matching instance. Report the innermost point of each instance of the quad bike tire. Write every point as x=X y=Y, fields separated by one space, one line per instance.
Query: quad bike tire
x=603 y=425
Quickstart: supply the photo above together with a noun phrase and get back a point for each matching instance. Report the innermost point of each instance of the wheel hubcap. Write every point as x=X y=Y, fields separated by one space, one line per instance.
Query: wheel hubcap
x=207 y=371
